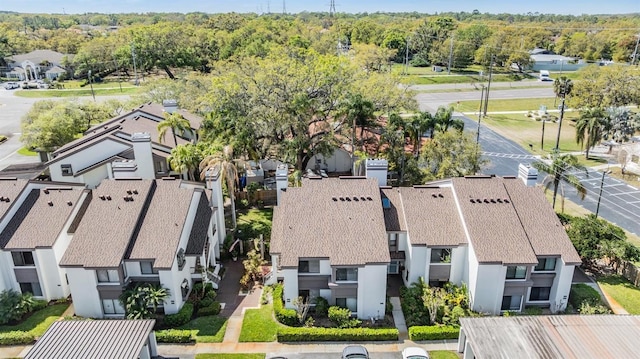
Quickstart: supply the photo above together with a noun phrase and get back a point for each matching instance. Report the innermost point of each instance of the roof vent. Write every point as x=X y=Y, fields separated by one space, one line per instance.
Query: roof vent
x=369 y=199
x=440 y=195
x=478 y=200
x=355 y=198
x=2 y=198
x=506 y=200
x=46 y=191
x=108 y=198
x=362 y=198
x=486 y=200
x=342 y=199
x=348 y=199
x=6 y=199
x=102 y=197
x=493 y=200
x=434 y=195
x=129 y=191
x=50 y=204
x=334 y=199
x=499 y=200
x=69 y=203
x=472 y=200
x=135 y=191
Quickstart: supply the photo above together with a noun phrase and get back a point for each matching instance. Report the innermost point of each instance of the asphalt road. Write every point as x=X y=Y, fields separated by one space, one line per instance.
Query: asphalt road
x=431 y=101
x=331 y=355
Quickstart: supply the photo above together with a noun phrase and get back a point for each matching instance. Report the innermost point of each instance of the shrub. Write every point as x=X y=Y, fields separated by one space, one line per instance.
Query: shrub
x=174 y=336
x=197 y=288
x=388 y=307
x=533 y=311
x=12 y=307
x=180 y=318
x=17 y=337
x=588 y=309
x=213 y=309
x=581 y=293
x=334 y=334
x=341 y=318
x=285 y=316
x=433 y=332
x=205 y=302
x=322 y=307
x=40 y=304
x=415 y=312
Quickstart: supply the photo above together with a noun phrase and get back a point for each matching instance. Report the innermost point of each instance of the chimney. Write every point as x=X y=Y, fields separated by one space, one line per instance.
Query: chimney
x=377 y=168
x=528 y=174
x=282 y=180
x=170 y=106
x=214 y=183
x=143 y=155
x=124 y=169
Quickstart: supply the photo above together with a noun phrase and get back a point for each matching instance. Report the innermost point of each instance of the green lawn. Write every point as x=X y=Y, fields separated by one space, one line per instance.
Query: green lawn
x=207 y=329
x=86 y=91
x=623 y=291
x=258 y=325
x=443 y=354
x=26 y=152
x=38 y=322
x=77 y=84
x=524 y=104
x=231 y=356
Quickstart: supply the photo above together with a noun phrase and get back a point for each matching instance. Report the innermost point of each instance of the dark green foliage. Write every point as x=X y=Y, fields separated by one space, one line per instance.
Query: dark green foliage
x=212 y=309
x=322 y=307
x=433 y=332
x=304 y=334
x=182 y=317
x=415 y=313
x=142 y=300
x=16 y=338
x=40 y=304
x=341 y=318
x=532 y=311
x=174 y=336
x=582 y=293
x=565 y=219
x=285 y=316
x=205 y=302
x=388 y=307
x=14 y=305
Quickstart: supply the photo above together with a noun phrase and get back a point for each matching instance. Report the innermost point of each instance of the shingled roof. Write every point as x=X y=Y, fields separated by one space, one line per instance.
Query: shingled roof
x=200 y=228
x=163 y=224
x=110 y=223
x=338 y=219
x=394 y=215
x=432 y=217
x=10 y=189
x=26 y=231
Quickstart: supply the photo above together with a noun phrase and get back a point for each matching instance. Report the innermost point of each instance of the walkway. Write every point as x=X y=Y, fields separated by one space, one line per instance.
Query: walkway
x=398 y=318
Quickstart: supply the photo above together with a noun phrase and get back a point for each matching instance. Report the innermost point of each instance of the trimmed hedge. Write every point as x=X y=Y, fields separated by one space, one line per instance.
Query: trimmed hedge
x=285 y=316
x=213 y=309
x=17 y=337
x=180 y=318
x=336 y=334
x=433 y=332
x=174 y=336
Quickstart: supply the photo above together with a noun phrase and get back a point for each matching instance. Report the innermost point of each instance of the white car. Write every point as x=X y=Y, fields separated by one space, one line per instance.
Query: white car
x=11 y=85
x=414 y=353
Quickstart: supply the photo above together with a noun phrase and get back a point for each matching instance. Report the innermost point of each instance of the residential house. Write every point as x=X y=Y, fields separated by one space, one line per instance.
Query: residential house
x=548 y=60
x=37 y=65
x=38 y=222
x=113 y=144
x=140 y=230
x=497 y=236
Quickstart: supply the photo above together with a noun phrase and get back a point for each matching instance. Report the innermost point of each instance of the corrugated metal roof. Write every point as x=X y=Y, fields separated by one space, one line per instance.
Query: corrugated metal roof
x=95 y=339
x=560 y=336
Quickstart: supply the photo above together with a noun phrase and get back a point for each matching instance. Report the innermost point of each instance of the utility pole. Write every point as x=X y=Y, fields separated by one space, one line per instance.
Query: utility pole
x=135 y=69
x=542 y=140
x=406 y=59
x=486 y=100
x=91 y=84
x=564 y=95
x=332 y=8
x=600 y=195
x=450 y=56
x=284 y=7
x=635 y=51
x=479 y=117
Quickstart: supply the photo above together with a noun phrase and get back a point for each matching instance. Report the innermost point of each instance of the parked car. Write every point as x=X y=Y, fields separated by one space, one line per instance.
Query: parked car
x=414 y=353
x=11 y=85
x=355 y=352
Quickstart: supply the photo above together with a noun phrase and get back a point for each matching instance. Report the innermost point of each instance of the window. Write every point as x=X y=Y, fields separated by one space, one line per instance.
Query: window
x=184 y=288
x=349 y=303
x=347 y=274
x=304 y=293
x=441 y=255
x=108 y=276
x=146 y=267
x=545 y=264
x=21 y=259
x=181 y=259
x=539 y=293
x=511 y=302
x=516 y=272
x=309 y=266
x=33 y=288
x=393 y=268
x=112 y=307
x=66 y=170
x=393 y=241
x=386 y=203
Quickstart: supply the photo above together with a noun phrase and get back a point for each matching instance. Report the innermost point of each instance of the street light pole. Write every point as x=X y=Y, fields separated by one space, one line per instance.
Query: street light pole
x=564 y=95
x=600 y=195
x=91 y=84
x=479 y=117
x=486 y=101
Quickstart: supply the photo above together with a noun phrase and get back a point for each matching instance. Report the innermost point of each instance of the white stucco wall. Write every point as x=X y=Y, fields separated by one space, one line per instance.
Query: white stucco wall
x=290 y=286
x=325 y=267
x=559 y=295
x=418 y=265
x=372 y=291
x=85 y=158
x=339 y=161
x=93 y=178
x=86 y=301
x=50 y=281
x=487 y=293
x=458 y=265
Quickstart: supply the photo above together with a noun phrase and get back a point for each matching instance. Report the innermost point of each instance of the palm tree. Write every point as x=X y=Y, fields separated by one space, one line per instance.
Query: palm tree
x=444 y=120
x=142 y=300
x=185 y=158
x=589 y=128
x=558 y=168
x=176 y=123
x=417 y=127
x=228 y=167
x=359 y=112
x=562 y=87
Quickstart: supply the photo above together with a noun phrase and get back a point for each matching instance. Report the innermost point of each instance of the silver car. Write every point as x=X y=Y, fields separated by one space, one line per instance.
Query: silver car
x=11 y=85
x=355 y=352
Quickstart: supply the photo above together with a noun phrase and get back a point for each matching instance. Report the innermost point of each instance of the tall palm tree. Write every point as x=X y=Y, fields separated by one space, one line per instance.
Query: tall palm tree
x=359 y=112
x=176 y=123
x=562 y=87
x=228 y=167
x=590 y=128
x=444 y=120
x=185 y=158
x=417 y=127
x=558 y=168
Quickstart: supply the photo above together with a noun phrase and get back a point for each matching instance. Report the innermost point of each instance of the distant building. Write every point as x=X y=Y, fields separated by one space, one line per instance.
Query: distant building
x=548 y=60
x=37 y=65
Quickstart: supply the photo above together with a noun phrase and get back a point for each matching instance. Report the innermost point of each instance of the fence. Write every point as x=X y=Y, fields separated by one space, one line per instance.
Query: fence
x=631 y=272
x=268 y=197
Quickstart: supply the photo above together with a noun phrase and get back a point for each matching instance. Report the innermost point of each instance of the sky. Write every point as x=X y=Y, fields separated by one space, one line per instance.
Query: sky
x=571 y=7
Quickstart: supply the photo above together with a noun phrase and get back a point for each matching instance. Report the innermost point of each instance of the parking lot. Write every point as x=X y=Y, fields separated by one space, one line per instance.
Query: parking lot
x=330 y=355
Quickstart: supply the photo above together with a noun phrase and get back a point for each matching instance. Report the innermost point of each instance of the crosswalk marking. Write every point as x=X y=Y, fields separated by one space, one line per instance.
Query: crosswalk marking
x=511 y=155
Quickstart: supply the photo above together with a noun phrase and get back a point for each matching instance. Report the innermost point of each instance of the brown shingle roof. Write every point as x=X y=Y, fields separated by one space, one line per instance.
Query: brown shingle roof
x=495 y=230
x=317 y=221
x=10 y=189
x=546 y=234
x=394 y=219
x=158 y=111
x=104 y=234
x=26 y=229
x=163 y=224
x=432 y=217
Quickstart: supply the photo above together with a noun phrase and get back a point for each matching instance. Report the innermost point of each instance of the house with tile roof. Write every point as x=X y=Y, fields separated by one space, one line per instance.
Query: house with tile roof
x=140 y=230
x=30 y=250
x=497 y=236
x=130 y=140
